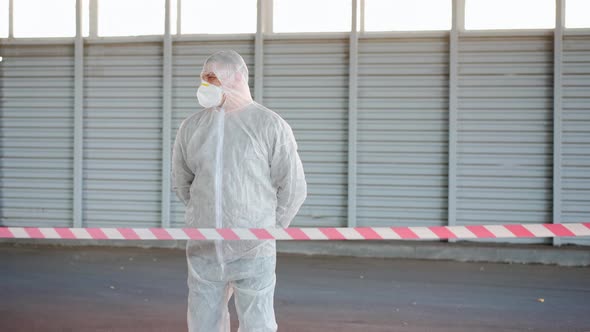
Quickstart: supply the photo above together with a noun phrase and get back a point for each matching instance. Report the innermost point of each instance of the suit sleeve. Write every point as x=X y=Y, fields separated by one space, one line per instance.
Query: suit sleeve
x=181 y=175
x=287 y=176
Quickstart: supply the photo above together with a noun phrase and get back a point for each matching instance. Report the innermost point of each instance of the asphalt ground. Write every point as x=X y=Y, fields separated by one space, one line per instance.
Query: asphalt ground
x=52 y=288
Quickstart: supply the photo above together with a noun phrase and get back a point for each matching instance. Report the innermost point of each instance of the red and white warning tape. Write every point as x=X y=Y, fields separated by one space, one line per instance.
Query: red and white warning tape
x=357 y=233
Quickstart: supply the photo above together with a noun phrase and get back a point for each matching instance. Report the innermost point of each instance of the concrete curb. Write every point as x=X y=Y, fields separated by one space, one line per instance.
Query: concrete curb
x=459 y=251
x=430 y=250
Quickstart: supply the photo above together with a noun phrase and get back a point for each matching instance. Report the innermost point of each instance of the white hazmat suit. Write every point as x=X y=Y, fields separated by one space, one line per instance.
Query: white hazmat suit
x=234 y=166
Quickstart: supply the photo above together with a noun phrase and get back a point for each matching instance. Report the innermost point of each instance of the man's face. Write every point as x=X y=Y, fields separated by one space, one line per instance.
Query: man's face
x=210 y=78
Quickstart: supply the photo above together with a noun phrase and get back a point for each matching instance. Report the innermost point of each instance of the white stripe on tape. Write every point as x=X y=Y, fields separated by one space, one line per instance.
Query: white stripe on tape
x=144 y=234
x=314 y=233
x=177 y=233
x=112 y=233
x=423 y=232
x=387 y=233
x=49 y=233
x=211 y=234
x=279 y=233
x=578 y=229
x=350 y=234
x=538 y=230
x=499 y=231
x=245 y=234
x=80 y=233
x=462 y=232
x=19 y=232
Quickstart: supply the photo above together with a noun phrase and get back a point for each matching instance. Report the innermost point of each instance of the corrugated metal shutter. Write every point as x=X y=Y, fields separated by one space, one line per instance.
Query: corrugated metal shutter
x=306 y=82
x=188 y=59
x=403 y=132
x=504 y=140
x=505 y=131
x=37 y=112
x=122 y=134
x=576 y=133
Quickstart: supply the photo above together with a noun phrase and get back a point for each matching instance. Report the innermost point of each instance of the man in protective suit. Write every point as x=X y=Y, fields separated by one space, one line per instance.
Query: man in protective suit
x=234 y=165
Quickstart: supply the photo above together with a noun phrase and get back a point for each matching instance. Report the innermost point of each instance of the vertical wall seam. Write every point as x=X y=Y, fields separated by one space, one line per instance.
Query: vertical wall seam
x=352 y=117
x=262 y=12
x=166 y=117
x=78 y=117
x=10 y=18
x=362 y=16
x=557 y=112
x=178 y=16
x=93 y=18
x=457 y=25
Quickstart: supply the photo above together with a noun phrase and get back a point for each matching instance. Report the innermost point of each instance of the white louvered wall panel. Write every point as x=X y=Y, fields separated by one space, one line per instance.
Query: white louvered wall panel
x=505 y=131
x=505 y=125
x=403 y=131
x=306 y=82
x=122 y=134
x=36 y=139
x=188 y=58
x=575 y=205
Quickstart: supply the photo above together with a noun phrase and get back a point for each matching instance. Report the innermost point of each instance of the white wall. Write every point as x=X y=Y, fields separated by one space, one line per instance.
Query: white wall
x=504 y=126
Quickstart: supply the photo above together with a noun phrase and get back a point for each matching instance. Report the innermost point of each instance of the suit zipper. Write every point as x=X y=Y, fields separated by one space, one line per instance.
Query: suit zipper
x=219 y=183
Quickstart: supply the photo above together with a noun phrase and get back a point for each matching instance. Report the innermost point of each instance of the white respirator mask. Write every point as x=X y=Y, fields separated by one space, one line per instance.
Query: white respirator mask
x=209 y=95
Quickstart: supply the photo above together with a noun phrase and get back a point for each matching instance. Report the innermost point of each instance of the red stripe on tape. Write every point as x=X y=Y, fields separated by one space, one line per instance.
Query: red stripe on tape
x=559 y=230
x=262 y=234
x=443 y=232
x=297 y=233
x=96 y=233
x=34 y=233
x=194 y=234
x=368 y=233
x=480 y=231
x=228 y=234
x=65 y=233
x=405 y=232
x=5 y=233
x=332 y=233
x=128 y=233
x=519 y=230
x=161 y=233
